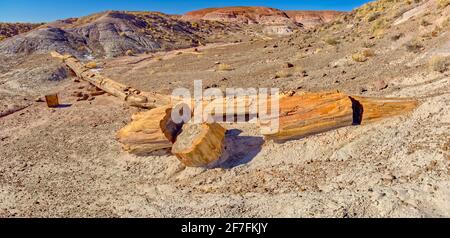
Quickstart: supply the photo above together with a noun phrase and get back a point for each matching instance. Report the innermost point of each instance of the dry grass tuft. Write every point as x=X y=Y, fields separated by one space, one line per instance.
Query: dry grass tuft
x=129 y=53
x=359 y=57
x=332 y=41
x=443 y=3
x=283 y=74
x=224 y=67
x=438 y=63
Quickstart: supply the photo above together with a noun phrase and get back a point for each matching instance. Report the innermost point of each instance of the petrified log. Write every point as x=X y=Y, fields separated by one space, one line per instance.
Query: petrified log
x=312 y=113
x=132 y=96
x=373 y=109
x=149 y=131
x=200 y=145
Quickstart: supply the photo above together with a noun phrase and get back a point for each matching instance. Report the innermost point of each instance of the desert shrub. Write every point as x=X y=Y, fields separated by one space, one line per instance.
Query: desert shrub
x=368 y=44
x=443 y=3
x=129 y=53
x=378 y=28
x=91 y=65
x=424 y=22
x=224 y=67
x=414 y=47
x=283 y=74
x=373 y=16
x=359 y=57
x=332 y=41
x=368 y=53
x=446 y=23
x=396 y=37
x=438 y=63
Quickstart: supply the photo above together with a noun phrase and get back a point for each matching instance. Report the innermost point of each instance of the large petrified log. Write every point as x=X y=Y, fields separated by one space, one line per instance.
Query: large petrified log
x=132 y=96
x=149 y=131
x=200 y=145
x=313 y=113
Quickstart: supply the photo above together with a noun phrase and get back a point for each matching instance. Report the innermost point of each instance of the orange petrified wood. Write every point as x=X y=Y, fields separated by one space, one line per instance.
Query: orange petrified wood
x=149 y=131
x=200 y=145
x=313 y=113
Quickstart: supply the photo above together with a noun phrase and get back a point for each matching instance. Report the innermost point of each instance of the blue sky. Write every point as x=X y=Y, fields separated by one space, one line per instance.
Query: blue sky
x=50 y=10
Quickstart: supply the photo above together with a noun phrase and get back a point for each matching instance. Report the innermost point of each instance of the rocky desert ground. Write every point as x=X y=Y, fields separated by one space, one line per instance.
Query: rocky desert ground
x=66 y=161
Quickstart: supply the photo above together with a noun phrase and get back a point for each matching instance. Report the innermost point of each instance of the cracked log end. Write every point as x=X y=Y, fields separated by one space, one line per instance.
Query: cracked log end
x=200 y=145
x=149 y=132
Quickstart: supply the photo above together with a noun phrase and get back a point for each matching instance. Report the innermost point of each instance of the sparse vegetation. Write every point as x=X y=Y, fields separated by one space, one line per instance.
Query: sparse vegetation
x=332 y=41
x=438 y=63
x=368 y=53
x=129 y=53
x=359 y=57
x=425 y=23
x=283 y=74
x=224 y=67
x=414 y=46
x=443 y=3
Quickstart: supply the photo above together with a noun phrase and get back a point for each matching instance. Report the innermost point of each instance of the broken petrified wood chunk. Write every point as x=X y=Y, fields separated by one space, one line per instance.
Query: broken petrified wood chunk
x=312 y=113
x=372 y=109
x=200 y=145
x=149 y=131
x=52 y=100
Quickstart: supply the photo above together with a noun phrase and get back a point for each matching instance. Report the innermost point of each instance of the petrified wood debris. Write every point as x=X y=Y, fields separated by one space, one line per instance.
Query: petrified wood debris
x=149 y=131
x=200 y=145
x=52 y=100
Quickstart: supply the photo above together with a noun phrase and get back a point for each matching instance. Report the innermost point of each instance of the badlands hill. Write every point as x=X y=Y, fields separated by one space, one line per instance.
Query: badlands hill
x=12 y=29
x=262 y=15
x=67 y=162
x=313 y=18
x=113 y=33
x=116 y=33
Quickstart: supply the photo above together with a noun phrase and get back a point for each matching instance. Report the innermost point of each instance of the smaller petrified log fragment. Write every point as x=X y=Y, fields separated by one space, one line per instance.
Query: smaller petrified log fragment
x=149 y=131
x=52 y=100
x=200 y=145
x=373 y=109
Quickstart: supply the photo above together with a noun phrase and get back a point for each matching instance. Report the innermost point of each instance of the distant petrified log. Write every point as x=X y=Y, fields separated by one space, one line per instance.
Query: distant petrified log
x=200 y=145
x=312 y=113
x=149 y=131
x=132 y=96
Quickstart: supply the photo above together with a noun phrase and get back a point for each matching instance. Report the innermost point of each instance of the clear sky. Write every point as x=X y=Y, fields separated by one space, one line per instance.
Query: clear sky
x=50 y=10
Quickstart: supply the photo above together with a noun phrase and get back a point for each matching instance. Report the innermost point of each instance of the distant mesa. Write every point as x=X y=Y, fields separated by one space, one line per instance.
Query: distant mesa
x=261 y=15
x=313 y=18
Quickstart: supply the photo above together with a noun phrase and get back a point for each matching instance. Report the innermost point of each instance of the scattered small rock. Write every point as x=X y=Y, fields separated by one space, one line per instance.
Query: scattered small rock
x=39 y=99
x=84 y=97
x=380 y=85
x=288 y=65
